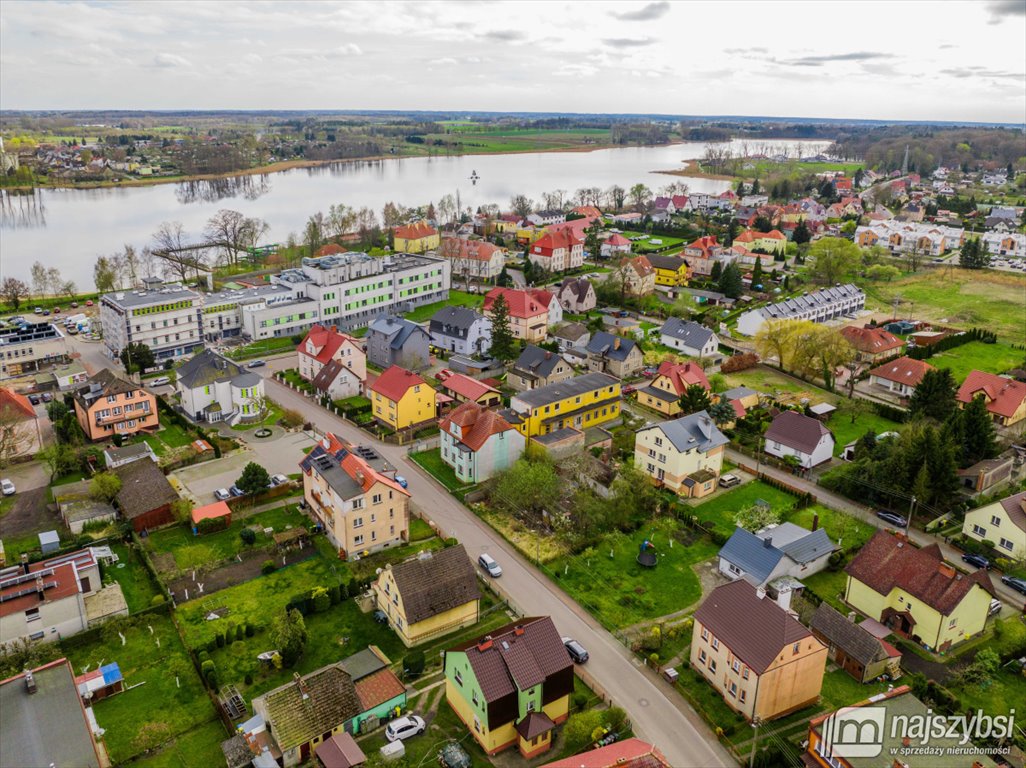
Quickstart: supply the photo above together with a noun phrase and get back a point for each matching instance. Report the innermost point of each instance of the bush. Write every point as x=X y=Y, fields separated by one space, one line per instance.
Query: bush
x=249 y=678
x=209 y=674
x=212 y=525
x=268 y=567
x=219 y=639
x=249 y=630
x=157 y=600
x=229 y=635
x=335 y=594
x=580 y=701
x=320 y=599
x=248 y=536
x=413 y=663
x=741 y=362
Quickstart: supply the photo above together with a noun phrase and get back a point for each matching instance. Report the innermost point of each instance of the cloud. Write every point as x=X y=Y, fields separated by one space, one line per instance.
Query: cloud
x=978 y=71
x=649 y=12
x=505 y=35
x=170 y=61
x=627 y=42
x=816 y=61
x=1001 y=9
x=446 y=62
x=575 y=70
x=349 y=49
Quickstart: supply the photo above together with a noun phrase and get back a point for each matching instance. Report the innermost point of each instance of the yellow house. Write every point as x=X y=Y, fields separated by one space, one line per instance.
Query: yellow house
x=1003 y=523
x=670 y=382
x=637 y=274
x=430 y=595
x=416 y=238
x=767 y=664
x=402 y=399
x=915 y=593
x=670 y=270
x=511 y=687
x=581 y=402
x=684 y=455
x=771 y=242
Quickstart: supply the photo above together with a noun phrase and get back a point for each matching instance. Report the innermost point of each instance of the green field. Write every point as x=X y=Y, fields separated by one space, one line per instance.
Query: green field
x=198 y=748
x=273 y=346
x=470 y=138
x=721 y=510
x=645 y=245
x=456 y=299
x=845 y=432
x=992 y=358
x=776 y=384
x=136 y=583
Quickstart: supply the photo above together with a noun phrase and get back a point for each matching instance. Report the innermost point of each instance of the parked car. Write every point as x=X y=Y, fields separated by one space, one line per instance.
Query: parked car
x=46 y=313
x=47 y=397
x=34 y=399
x=256 y=364
x=649 y=373
x=56 y=310
x=405 y=727
x=278 y=480
x=995 y=607
x=38 y=310
x=89 y=302
x=236 y=491
x=160 y=381
x=629 y=389
x=729 y=481
x=7 y=487
x=402 y=481
x=1019 y=585
x=222 y=494
x=492 y=568
x=978 y=560
x=892 y=518
x=74 y=305
x=576 y=650
x=380 y=617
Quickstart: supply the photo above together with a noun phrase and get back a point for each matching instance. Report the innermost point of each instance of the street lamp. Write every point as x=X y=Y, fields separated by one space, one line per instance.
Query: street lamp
x=756 y=722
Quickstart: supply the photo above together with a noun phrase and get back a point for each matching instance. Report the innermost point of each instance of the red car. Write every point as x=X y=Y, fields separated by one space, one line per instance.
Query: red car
x=629 y=389
x=89 y=302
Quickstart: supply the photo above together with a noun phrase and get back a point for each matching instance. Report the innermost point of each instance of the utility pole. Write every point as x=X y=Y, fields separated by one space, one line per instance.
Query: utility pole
x=755 y=740
x=911 y=511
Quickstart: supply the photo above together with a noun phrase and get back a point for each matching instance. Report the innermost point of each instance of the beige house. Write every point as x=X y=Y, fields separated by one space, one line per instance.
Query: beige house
x=324 y=346
x=1003 y=523
x=19 y=426
x=615 y=355
x=638 y=275
x=758 y=657
x=537 y=367
x=684 y=455
x=531 y=311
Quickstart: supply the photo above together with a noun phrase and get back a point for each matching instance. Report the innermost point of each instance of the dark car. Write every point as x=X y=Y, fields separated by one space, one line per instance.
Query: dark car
x=575 y=649
x=892 y=517
x=47 y=397
x=236 y=491
x=34 y=399
x=978 y=560
x=1019 y=585
x=380 y=617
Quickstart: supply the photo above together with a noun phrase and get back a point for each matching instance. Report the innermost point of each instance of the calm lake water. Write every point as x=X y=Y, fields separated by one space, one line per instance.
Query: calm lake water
x=69 y=228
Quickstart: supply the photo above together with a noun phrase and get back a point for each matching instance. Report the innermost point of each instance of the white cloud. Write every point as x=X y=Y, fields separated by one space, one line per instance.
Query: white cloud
x=170 y=61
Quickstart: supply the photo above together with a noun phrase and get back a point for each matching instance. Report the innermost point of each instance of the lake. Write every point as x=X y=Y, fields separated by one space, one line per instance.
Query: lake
x=69 y=228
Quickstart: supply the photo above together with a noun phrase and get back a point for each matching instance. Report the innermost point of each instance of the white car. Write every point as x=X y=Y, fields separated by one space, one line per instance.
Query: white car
x=160 y=381
x=404 y=727
x=278 y=480
x=7 y=487
x=222 y=494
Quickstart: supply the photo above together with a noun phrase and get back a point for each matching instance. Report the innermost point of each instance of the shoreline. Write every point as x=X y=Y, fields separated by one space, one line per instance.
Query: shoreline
x=692 y=169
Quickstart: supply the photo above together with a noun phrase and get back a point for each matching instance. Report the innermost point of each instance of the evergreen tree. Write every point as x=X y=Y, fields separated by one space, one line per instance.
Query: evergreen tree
x=801 y=233
x=717 y=269
x=921 y=486
x=732 y=230
x=934 y=398
x=503 y=344
x=755 y=186
x=979 y=440
x=740 y=188
x=730 y=284
x=136 y=356
x=504 y=280
x=254 y=478
x=694 y=399
x=757 y=278
x=974 y=254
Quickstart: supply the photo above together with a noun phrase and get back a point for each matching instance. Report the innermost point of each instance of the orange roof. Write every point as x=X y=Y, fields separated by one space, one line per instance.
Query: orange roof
x=211 y=512
x=378 y=688
x=872 y=340
x=555 y=239
x=355 y=466
x=326 y=341
x=629 y=753
x=704 y=244
x=11 y=400
x=750 y=236
x=1004 y=396
x=683 y=375
x=904 y=370
x=415 y=231
x=522 y=303
x=330 y=249
x=396 y=382
x=478 y=250
x=616 y=239
x=466 y=386
x=641 y=265
x=588 y=211
x=476 y=424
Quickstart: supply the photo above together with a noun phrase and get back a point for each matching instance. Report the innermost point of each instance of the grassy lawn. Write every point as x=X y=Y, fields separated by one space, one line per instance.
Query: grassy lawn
x=850 y=531
x=271 y=346
x=149 y=714
x=774 y=383
x=527 y=542
x=431 y=461
x=419 y=530
x=829 y=585
x=992 y=358
x=456 y=299
x=645 y=244
x=274 y=413
x=136 y=583
x=198 y=748
x=619 y=592
x=722 y=509
x=841 y=689
x=960 y=297
x=845 y=432
x=173 y=436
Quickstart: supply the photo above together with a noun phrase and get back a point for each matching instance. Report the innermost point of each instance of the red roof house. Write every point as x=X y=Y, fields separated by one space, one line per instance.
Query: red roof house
x=629 y=753
x=217 y=511
x=1006 y=398
x=901 y=376
x=464 y=388
x=872 y=343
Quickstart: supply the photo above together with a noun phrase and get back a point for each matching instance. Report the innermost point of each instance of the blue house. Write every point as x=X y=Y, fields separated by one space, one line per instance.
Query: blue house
x=774 y=552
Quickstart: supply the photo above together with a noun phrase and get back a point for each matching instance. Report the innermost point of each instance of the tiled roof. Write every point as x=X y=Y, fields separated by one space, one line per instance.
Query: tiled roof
x=571 y=331
x=396 y=382
x=466 y=386
x=378 y=688
x=294 y=718
x=537 y=361
x=206 y=368
x=683 y=375
x=692 y=334
x=669 y=263
x=534 y=725
x=732 y=611
x=617 y=239
x=1015 y=506
x=704 y=244
x=454 y=317
x=397 y=329
x=886 y=562
x=476 y=424
x=641 y=266
x=326 y=376
x=696 y=430
x=553 y=393
x=847 y=635
x=16 y=404
x=434 y=584
x=522 y=303
x=556 y=239
x=415 y=231
x=578 y=285
x=109 y=383
x=872 y=340
x=326 y=341
x=904 y=370
x=475 y=250
x=797 y=431
x=612 y=347
x=629 y=753
x=143 y=489
x=1004 y=396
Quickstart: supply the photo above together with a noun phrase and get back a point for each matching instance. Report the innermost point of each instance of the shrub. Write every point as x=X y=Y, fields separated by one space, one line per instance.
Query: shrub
x=249 y=630
x=580 y=701
x=202 y=656
x=354 y=587
x=210 y=646
x=653 y=659
x=208 y=671
x=320 y=599
x=268 y=567
x=157 y=600
x=413 y=663
x=248 y=536
x=239 y=632
x=249 y=678
x=229 y=635
x=212 y=525
x=219 y=639
x=335 y=594
x=741 y=362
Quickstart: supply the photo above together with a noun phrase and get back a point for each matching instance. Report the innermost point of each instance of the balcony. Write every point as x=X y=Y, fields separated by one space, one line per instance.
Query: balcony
x=142 y=415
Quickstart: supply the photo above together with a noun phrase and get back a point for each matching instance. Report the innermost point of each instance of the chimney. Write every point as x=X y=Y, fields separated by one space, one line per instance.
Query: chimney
x=301 y=684
x=768 y=542
x=784 y=598
x=851 y=616
x=616 y=342
x=946 y=570
x=518 y=631
x=39 y=586
x=30 y=682
x=760 y=593
x=485 y=644
x=24 y=562
x=815 y=522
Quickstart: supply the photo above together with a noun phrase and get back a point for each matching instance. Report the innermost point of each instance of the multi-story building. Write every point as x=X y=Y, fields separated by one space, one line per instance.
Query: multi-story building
x=684 y=455
x=579 y=403
x=213 y=388
x=558 y=251
x=1003 y=523
x=224 y=313
x=773 y=241
x=401 y=399
x=637 y=275
x=416 y=238
x=670 y=270
x=537 y=367
x=531 y=311
x=669 y=384
x=362 y=509
x=806 y=439
x=703 y=253
x=615 y=355
x=872 y=344
x=323 y=347
x=394 y=340
x=478 y=443
x=1005 y=397
x=577 y=295
x=461 y=330
x=31 y=348
x=818 y=306
x=108 y=406
x=167 y=319
x=473 y=259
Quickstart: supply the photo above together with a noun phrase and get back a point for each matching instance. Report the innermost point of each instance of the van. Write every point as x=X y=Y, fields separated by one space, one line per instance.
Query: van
x=491 y=567
x=729 y=481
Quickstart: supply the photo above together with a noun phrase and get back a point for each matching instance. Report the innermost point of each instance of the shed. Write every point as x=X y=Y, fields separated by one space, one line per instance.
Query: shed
x=146 y=496
x=340 y=751
x=822 y=411
x=219 y=510
x=49 y=542
x=101 y=682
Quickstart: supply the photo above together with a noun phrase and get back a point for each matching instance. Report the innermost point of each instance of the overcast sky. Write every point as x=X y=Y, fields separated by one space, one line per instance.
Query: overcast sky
x=884 y=60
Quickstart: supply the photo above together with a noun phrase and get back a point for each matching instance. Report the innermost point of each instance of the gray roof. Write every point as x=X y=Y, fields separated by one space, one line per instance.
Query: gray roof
x=399 y=329
x=571 y=331
x=434 y=583
x=579 y=285
x=143 y=489
x=799 y=544
x=537 y=361
x=856 y=642
x=246 y=380
x=133 y=451
x=47 y=727
x=558 y=436
x=609 y=346
x=821 y=298
x=457 y=317
x=751 y=554
x=692 y=334
x=797 y=431
x=696 y=430
x=165 y=295
x=206 y=368
x=578 y=385
x=737 y=393
x=662 y=261
x=362 y=664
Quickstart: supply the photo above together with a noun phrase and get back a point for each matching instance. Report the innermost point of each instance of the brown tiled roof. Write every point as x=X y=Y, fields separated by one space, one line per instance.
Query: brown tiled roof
x=534 y=725
x=476 y=424
x=904 y=370
x=871 y=340
x=330 y=701
x=856 y=642
x=1004 y=396
x=436 y=584
x=17 y=404
x=886 y=562
x=629 y=753
x=1015 y=506
x=378 y=688
x=143 y=489
x=796 y=430
x=110 y=384
x=496 y=668
x=340 y=751
x=754 y=629
x=416 y=231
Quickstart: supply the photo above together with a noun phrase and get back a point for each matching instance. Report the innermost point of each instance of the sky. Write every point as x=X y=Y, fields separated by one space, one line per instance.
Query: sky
x=873 y=59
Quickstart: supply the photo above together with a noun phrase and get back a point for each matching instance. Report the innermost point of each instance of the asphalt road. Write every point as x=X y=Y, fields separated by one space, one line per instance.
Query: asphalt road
x=659 y=715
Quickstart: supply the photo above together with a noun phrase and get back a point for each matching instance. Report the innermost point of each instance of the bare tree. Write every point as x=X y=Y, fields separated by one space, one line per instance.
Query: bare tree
x=521 y=205
x=313 y=233
x=341 y=220
x=170 y=248
x=366 y=222
x=13 y=291
x=455 y=250
x=233 y=233
x=38 y=279
x=69 y=289
x=617 y=196
x=555 y=200
x=446 y=209
x=53 y=280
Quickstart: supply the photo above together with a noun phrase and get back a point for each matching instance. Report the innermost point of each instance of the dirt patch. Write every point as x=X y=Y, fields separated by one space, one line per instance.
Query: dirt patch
x=233 y=573
x=932 y=670
x=29 y=514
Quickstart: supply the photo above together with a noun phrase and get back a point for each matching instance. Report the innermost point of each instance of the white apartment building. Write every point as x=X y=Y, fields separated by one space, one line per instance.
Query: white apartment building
x=167 y=320
x=818 y=306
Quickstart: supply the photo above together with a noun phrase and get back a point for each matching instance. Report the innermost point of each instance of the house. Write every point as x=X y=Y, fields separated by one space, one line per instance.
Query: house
x=402 y=399
x=664 y=205
x=900 y=376
x=557 y=251
x=531 y=311
x=545 y=218
x=615 y=355
x=512 y=686
x=461 y=330
x=854 y=648
x=702 y=254
x=361 y=509
x=576 y=295
x=464 y=389
x=429 y=595
x=308 y=710
x=78 y=508
x=1003 y=523
x=690 y=338
x=114 y=456
x=684 y=455
x=670 y=270
x=915 y=593
x=879 y=739
x=777 y=550
x=987 y=474
x=19 y=426
x=629 y=753
x=108 y=405
x=818 y=306
x=1005 y=398
x=343 y=357
x=801 y=436
x=145 y=497
x=478 y=443
x=842 y=185
x=581 y=402
x=45 y=722
x=615 y=246
x=670 y=382
x=392 y=340
x=378 y=689
x=473 y=259
x=746 y=396
x=637 y=274
x=537 y=367
x=213 y=388
x=572 y=337
x=872 y=344
x=416 y=238
x=773 y=241
x=766 y=673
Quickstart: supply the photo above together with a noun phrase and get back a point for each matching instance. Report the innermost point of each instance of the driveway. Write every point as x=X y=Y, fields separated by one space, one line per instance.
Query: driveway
x=658 y=713
x=201 y=480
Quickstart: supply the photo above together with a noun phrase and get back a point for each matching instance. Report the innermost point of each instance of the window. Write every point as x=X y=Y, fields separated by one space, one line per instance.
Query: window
x=374 y=535
x=734 y=569
x=796 y=647
x=358 y=504
x=1006 y=544
x=659 y=442
x=358 y=540
x=744 y=674
x=715 y=644
x=736 y=665
x=712 y=666
x=357 y=522
x=744 y=695
x=376 y=499
x=530 y=705
x=651 y=468
x=733 y=690
x=952 y=623
x=995 y=521
x=979 y=530
x=705 y=634
x=458 y=678
x=701 y=657
x=473 y=697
